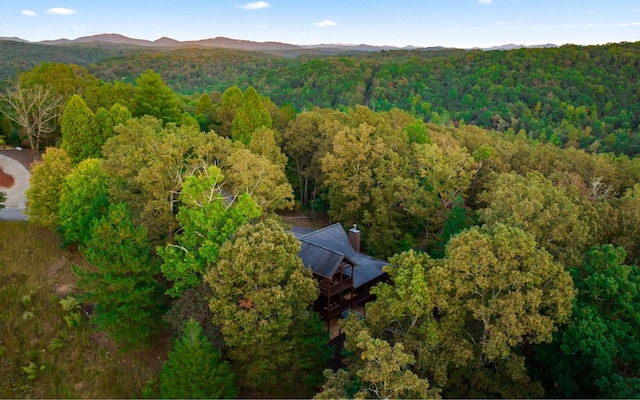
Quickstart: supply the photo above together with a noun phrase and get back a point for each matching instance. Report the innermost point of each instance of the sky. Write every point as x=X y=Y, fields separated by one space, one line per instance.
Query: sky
x=422 y=23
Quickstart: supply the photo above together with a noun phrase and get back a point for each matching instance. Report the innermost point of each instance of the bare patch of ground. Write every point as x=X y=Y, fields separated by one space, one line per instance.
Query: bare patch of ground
x=6 y=180
x=305 y=219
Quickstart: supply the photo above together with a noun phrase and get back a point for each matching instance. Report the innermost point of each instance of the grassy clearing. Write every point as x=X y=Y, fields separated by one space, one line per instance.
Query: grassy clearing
x=44 y=355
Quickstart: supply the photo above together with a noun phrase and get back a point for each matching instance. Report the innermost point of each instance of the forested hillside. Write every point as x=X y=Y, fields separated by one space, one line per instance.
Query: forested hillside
x=579 y=96
x=513 y=254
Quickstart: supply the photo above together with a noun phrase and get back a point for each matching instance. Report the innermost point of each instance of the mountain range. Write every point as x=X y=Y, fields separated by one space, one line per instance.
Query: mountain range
x=117 y=40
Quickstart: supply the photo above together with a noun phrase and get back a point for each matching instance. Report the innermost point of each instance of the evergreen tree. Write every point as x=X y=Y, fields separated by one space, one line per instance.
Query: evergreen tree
x=249 y=117
x=229 y=104
x=123 y=285
x=195 y=370
x=153 y=97
x=80 y=138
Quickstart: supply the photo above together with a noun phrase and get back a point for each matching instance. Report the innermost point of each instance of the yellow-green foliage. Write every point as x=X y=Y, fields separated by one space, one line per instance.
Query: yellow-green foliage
x=40 y=355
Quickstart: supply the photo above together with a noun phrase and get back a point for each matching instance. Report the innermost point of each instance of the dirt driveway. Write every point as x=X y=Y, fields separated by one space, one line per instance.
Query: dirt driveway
x=14 y=181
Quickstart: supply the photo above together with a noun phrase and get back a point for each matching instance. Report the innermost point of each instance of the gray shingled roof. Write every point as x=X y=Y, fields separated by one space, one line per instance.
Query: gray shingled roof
x=323 y=251
x=367 y=269
x=324 y=262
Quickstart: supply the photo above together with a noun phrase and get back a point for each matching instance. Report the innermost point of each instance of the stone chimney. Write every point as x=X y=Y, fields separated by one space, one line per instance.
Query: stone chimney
x=354 y=238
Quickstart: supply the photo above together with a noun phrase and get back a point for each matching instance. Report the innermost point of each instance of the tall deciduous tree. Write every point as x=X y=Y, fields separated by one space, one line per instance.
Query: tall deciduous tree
x=542 y=209
x=149 y=164
x=45 y=187
x=35 y=109
x=502 y=291
x=195 y=369
x=80 y=138
x=124 y=285
x=207 y=220
x=467 y=318
x=64 y=79
x=258 y=176
x=205 y=113
x=348 y=170
x=305 y=145
x=381 y=371
x=260 y=292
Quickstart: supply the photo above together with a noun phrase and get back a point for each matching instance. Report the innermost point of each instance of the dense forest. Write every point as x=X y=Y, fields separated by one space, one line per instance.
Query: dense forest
x=578 y=96
x=501 y=186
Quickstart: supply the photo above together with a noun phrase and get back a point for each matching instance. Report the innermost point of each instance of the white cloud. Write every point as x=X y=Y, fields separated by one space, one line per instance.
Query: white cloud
x=28 y=13
x=255 y=6
x=60 y=11
x=325 y=23
x=485 y=1
x=625 y=24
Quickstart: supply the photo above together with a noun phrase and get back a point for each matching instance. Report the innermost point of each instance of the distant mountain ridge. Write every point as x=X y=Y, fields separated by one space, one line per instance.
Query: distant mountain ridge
x=238 y=44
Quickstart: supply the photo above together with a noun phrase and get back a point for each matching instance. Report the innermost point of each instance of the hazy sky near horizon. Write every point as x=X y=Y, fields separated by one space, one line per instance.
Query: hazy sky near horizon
x=454 y=23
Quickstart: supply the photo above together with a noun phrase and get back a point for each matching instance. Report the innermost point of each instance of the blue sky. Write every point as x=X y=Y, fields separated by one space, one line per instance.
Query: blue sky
x=456 y=23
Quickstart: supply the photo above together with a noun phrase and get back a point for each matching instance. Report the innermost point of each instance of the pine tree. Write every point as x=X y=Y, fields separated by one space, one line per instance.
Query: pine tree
x=153 y=97
x=80 y=138
x=123 y=287
x=195 y=369
x=249 y=117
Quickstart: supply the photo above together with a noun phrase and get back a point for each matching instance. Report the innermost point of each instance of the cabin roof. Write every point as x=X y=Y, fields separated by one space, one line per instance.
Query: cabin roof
x=325 y=249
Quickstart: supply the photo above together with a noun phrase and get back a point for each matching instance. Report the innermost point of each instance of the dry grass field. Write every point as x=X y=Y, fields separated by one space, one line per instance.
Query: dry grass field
x=47 y=351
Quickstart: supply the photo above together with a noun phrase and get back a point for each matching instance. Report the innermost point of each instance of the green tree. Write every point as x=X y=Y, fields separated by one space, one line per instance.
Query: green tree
x=597 y=354
x=266 y=142
x=468 y=317
x=6 y=128
x=226 y=111
x=195 y=369
x=107 y=120
x=149 y=163
x=260 y=292
x=251 y=115
x=542 y=209
x=153 y=97
x=305 y=143
x=80 y=138
x=258 y=176
x=205 y=113
x=383 y=372
x=503 y=292
x=348 y=170
x=84 y=197
x=45 y=187
x=626 y=223
x=3 y=198
x=124 y=285
x=207 y=220
x=64 y=79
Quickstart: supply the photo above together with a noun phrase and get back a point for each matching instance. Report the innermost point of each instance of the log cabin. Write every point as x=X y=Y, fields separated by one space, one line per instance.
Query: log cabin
x=344 y=275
